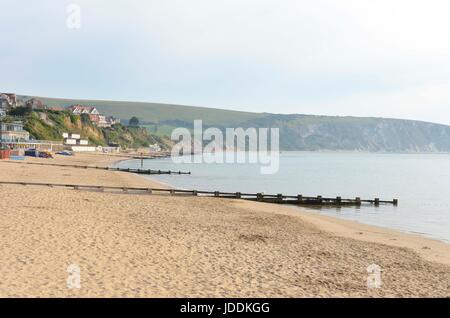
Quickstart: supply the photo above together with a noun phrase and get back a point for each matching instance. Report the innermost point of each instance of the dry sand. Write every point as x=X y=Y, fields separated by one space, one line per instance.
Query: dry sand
x=129 y=245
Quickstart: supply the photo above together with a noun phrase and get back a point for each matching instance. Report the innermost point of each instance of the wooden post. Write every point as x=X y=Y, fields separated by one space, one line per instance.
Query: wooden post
x=216 y=193
x=238 y=195
x=395 y=202
x=319 y=199
x=259 y=196
x=299 y=198
x=149 y=191
x=358 y=201
x=125 y=189
x=172 y=191
x=280 y=198
x=338 y=200
x=195 y=192
x=377 y=201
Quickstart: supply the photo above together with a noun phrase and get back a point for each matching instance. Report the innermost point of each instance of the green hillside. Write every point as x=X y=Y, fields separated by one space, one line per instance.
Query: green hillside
x=156 y=112
x=297 y=132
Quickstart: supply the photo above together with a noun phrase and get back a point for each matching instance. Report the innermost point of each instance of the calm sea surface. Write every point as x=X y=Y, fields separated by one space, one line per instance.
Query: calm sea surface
x=421 y=182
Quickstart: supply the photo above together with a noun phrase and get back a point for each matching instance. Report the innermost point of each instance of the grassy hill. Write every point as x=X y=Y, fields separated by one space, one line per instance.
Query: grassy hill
x=157 y=112
x=297 y=132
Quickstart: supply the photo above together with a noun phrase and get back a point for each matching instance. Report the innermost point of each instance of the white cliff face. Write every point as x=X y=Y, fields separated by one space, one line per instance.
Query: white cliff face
x=320 y=133
x=386 y=135
x=301 y=132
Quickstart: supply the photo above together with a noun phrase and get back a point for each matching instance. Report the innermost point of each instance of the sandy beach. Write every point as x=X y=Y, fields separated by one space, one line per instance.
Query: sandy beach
x=129 y=245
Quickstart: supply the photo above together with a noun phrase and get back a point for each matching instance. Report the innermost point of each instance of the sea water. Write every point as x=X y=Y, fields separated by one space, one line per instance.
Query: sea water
x=421 y=183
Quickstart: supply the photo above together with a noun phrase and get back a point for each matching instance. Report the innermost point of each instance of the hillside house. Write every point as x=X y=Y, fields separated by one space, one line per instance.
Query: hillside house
x=94 y=114
x=8 y=100
x=56 y=108
x=102 y=121
x=35 y=104
x=107 y=121
x=112 y=120
x=4 y=102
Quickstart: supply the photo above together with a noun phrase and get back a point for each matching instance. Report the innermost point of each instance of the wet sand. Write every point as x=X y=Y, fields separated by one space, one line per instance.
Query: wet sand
x=129 y=245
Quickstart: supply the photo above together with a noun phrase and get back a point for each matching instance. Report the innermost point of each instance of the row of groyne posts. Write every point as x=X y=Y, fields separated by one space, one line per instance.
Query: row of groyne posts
x=261 y=197
x=138 y=171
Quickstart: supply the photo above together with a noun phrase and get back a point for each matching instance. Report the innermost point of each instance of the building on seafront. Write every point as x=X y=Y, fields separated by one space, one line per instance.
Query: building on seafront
x=14 y=136
x=13 y=132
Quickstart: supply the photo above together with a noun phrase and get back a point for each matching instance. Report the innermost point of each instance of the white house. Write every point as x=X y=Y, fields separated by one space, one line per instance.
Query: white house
x=79 y=109
x=155 y=148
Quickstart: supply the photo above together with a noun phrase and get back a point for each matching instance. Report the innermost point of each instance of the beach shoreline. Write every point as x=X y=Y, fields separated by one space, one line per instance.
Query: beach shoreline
x=354 y=229
x=162 y=246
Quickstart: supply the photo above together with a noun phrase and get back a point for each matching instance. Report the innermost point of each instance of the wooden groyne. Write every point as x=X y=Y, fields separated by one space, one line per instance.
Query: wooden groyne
x=139 y=156
x=261 y=197
x=138 y=171
x=158 y=156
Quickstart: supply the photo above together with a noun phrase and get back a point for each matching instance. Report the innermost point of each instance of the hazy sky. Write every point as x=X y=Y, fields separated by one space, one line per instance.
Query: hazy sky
x=334 y=57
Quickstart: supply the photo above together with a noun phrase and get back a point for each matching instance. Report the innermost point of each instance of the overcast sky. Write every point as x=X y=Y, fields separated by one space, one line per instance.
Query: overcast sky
x=388 y=58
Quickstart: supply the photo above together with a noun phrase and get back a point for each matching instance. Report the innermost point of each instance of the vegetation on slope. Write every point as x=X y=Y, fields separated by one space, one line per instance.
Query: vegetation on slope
x=50 y=125
x=133 y=137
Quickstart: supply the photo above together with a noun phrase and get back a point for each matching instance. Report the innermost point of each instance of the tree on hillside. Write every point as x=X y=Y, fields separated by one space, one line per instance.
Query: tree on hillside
x=20 y=111
x=134 y=121
x=85 y=119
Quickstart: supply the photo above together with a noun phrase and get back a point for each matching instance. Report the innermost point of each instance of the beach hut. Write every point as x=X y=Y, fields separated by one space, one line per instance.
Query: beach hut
x=5 y=153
